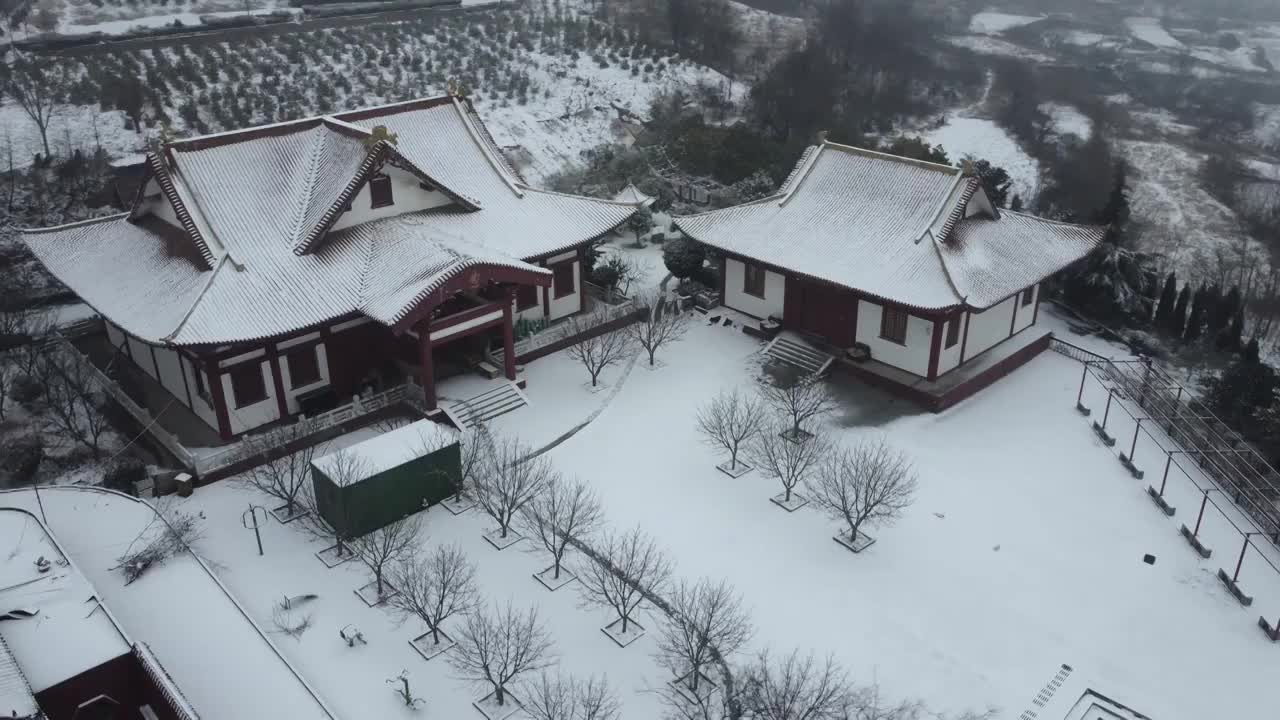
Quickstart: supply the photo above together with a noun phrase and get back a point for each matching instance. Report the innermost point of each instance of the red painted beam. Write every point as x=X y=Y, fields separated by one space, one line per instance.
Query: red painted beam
x=460 y=317
x=935 y=348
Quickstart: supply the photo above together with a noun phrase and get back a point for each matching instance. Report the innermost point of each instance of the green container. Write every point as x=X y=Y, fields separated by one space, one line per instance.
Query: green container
x=381 y=480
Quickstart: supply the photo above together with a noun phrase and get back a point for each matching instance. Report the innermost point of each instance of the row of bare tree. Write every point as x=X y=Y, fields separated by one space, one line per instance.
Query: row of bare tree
x=775 y=429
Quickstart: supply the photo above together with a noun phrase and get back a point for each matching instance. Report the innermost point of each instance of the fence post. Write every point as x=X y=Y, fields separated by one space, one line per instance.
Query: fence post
x=1133 y=446
x=1107 y=412
x=1165 y=479
x=1084 y=375
x=1203 y=502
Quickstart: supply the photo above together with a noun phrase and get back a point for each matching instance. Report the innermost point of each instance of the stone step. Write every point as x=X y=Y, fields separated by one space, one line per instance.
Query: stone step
x=798 y=355
x=488 y=405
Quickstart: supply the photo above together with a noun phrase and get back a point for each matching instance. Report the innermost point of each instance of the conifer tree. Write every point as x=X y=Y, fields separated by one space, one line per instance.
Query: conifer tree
x=1195 y=322
x=1217 y=311
x=1178 y=318
x=1168 y=297
x=1232 y=338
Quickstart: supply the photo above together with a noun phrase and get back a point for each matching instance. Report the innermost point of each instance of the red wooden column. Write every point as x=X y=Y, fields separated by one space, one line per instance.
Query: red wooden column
x=508 y=335
x=277 y=378
x=214 y=380
x=428 y=367
x=935 y=345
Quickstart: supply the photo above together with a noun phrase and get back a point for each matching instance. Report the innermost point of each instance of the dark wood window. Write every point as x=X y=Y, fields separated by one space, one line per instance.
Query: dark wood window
x=1027 y=296
x=304 y=366
x=247 y=384
x=563 y=279
x=893 y=325
x=380 y=191
x=753 y=280
x=526 y=296
x=953 y=330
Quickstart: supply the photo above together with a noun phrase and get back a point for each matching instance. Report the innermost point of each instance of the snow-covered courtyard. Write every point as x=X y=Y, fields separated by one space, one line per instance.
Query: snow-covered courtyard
x=1023 y=551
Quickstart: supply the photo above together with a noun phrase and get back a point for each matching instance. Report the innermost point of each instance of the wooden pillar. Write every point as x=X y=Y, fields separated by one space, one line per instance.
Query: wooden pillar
x=546 y=298
x=214 y=379
x=277 y=378
x=508 y=335
x=966 y=317
x=935 y=346
x=428 y=369
x=1035 y=314
x=1017 y=304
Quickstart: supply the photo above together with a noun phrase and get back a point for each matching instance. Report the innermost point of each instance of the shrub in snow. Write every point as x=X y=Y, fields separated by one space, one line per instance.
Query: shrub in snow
x=683 y=257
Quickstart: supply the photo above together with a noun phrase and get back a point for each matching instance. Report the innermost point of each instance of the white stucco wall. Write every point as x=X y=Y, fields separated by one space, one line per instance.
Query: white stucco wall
x=913 y=356
x=532 y=313
x=1026 y=314
x=115 y=336
x=949 y=358
x=405 y=192
x=171 y=373
x=141 y=354
x=989 y=327
x=569 y=304
x=251 y=416
x=775 y=290
x=291 y=393
x=199 y=405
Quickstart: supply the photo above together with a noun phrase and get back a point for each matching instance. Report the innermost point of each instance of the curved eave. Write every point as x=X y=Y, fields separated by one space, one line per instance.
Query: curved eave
x=421 y=304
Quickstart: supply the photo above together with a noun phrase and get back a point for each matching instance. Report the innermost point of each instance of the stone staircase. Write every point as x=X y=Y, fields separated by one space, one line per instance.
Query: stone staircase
x=790 y=349
x=482 y=408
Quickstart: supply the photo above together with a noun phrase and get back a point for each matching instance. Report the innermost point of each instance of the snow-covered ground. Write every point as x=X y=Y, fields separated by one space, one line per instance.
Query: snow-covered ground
x=1152 y=31
x=1068 y=120
x=1188 y=226
x=1023 y=551
x=986 y=45
x=1084 y=38
x=984 y=139
x=994 y=23
x=188 y=19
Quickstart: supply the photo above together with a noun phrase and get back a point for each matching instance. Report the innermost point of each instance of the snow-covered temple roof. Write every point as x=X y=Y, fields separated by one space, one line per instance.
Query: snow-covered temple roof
x=907 y=231
x=257 y=219
x=632 y=196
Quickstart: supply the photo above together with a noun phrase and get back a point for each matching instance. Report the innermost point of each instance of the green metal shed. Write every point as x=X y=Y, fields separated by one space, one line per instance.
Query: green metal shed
x=380 y=480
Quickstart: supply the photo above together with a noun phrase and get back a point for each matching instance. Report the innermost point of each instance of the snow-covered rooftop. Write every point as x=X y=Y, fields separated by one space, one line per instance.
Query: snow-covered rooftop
x=632 y=195
x=248 y=220
x=16 y=697
x=226 y=666
x=911 y=232
x=391 y=449
x=67 y=613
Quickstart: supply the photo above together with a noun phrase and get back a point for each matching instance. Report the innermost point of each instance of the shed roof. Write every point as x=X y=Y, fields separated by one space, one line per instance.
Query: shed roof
x=255 y=208
x=902 y=230
x=16 y=697
x=68 y=614
x=389 y=450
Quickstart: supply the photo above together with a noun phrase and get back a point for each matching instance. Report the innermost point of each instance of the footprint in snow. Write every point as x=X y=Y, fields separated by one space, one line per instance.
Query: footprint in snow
x=996 y=548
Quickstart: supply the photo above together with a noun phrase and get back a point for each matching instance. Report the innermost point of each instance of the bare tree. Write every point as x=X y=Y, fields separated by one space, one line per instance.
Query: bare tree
x=563 y=512
x=596 y=350
x=497 y=645
x=706 y=621
x=37 y=328
x=74 y=401
x=283 y=477
x=343 y=468
x=870 y=483
x=797 y=686
x=36 y=86
x=562 y=697
x=8 y=372
x=509 y=479
x=629 y=566
x=387 y=545
x=729 y=421
x=789 y=461
x=659 y=326
x=800 y=400
x=435 y=587
x=475 y=445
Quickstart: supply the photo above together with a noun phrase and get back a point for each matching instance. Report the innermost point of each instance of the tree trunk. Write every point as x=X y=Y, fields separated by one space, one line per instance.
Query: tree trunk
x=378 y=578
x=787 y=498
x=435 y=633
x=624 y=624
x=500 y=694
x=556 y=574
x=44 y=139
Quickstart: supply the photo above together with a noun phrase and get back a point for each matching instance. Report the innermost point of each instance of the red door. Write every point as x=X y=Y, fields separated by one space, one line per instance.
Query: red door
x=820 y=309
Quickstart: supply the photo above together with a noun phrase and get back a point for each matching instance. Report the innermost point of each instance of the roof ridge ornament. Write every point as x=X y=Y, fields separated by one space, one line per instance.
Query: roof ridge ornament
x=379 y=134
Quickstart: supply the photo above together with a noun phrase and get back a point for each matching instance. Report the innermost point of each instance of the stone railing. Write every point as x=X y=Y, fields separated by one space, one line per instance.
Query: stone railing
x=604 y=313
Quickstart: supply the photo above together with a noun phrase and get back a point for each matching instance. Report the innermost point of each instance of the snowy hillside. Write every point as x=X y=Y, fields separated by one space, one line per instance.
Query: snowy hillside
x=966 y=136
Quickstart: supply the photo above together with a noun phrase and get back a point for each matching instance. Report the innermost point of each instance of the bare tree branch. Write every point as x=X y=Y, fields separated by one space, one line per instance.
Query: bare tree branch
x=707 y=621
x=510 y=478
x=74 y=400
x=630 y=565
x=596 y=350
x=284 y=477
x=434 y=587
x=497 y=645
x=730 y=420
x=562 y=512
x=562 y=697
x=791 y=462
x=870 y=483
x=343 y=468
x=800 y=400
x=36 y=86
x=660 y=325
x=388 y=545
x=797 y=686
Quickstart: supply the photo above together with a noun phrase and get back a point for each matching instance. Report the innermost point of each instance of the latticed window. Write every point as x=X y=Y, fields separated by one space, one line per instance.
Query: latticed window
x=247 y=384
x=304 y=366
x=753 y=280
x=893 y=325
